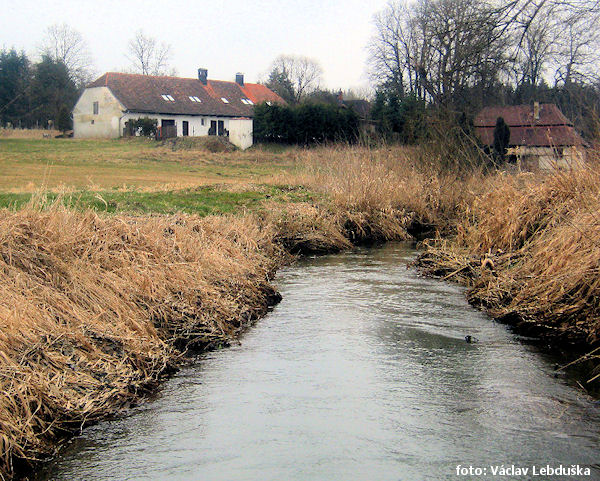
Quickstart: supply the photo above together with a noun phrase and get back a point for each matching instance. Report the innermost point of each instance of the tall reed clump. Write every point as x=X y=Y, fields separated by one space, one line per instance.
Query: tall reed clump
x=392 y=189
x=530 y=251
x=92 y=310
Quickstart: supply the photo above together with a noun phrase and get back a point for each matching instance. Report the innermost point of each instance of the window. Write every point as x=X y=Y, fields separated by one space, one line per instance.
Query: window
x=202 y=121
x=269 y=104
x=225 y=101
x=194 y=99
x=247 y=102
x=167 y=98
x=95 y=108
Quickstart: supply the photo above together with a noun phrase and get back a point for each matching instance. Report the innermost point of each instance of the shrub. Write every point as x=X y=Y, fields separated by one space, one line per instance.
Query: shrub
x=146 y=127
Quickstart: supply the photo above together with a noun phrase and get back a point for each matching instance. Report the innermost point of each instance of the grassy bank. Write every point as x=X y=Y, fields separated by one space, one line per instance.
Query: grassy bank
x=103 y=288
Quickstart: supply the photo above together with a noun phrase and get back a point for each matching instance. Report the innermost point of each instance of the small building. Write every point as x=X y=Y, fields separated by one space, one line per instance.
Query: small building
x=362 y=108
x=541 y=137
x=182 y=106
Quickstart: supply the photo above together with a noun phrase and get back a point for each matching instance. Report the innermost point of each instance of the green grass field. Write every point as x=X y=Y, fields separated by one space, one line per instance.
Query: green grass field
x=28 y=165
x=140 y=176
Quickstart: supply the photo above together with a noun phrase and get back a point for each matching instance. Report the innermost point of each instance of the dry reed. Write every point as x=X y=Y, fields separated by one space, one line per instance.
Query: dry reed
x=94 y=310
x=529 y=250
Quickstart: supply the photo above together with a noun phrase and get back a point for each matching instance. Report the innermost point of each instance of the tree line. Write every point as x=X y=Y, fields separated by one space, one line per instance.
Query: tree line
x=456 y=56
x=40 y=92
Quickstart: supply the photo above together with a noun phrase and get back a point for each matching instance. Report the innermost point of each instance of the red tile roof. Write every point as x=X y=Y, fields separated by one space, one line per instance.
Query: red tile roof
x=143 y=93
x=260 y=93
x=551 y=129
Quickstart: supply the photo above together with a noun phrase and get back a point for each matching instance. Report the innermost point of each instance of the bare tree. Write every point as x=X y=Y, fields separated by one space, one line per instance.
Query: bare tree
x=65 y=44
x=436 y=48
x=298 y=74
x=577 y=55
x=444 y=50
x=147 y=56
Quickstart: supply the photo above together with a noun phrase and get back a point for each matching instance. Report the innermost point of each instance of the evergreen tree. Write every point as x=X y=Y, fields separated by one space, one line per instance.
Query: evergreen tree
x=64 y=121
x=14 y=87
x=51 y=89
x=501 y=138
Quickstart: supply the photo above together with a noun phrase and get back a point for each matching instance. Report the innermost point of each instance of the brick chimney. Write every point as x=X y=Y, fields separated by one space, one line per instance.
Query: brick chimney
x=536 y=111
x=203 y=75
x=239 y=79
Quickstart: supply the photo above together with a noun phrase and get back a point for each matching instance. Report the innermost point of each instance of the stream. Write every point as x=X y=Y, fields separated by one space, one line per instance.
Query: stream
x=362 y=372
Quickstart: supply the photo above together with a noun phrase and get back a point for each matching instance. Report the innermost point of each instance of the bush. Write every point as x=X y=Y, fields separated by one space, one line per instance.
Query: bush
x=146 y=127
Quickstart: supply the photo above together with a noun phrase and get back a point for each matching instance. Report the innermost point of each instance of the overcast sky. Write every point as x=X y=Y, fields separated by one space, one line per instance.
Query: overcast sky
x=223 y=36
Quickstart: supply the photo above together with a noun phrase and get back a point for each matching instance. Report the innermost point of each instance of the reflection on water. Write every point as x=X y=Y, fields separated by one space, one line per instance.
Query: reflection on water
x=361 y=373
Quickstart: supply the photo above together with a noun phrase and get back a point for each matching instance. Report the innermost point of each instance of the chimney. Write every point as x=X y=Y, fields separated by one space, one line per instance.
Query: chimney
x=340 y=97
x=536 y=111
x=239 y=79
x=203 y=75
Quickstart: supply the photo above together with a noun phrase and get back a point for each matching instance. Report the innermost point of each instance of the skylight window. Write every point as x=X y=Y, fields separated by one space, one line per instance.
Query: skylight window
x=193 y=98
x=225 y=101
x=167 y=98
x=247 y=102
x=269 y=104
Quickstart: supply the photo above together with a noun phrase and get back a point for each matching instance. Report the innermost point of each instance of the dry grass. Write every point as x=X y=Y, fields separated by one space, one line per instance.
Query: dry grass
x=530 y=251
x=92 y=309
x=28 y=133
x=95 y=309
x=397 y=183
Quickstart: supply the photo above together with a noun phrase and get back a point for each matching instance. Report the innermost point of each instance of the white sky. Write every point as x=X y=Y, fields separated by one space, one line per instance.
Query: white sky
x=223 y=36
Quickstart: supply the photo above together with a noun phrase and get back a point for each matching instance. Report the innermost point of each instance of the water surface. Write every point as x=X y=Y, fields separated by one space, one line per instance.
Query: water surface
x=361 y=373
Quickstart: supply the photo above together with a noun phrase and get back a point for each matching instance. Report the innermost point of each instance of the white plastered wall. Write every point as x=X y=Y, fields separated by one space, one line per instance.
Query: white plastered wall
x=105 y=124
x=240 y=133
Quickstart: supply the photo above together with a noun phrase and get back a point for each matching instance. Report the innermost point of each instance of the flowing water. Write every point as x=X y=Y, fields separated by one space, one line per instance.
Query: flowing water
x=361 y=373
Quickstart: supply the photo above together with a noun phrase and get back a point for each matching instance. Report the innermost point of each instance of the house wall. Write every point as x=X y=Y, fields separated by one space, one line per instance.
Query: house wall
x=240 y=133
x=105 y=124
x=548 y=158
x=196 y=129
x=240 y=130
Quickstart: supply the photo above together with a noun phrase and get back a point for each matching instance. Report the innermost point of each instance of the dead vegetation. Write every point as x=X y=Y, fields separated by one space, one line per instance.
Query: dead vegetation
x=529 y=250
x=94 y=310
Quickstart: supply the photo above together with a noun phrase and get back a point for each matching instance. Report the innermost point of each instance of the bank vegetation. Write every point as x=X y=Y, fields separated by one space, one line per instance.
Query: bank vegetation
x=96 y=308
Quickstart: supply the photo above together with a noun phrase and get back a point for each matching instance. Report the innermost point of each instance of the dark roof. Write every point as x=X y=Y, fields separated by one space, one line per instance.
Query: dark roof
x=551 y=129
x=361 y=107
x=143 y=93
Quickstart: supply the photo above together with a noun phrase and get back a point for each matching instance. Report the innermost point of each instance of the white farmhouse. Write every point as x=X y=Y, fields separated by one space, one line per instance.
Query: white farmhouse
x=182 y=106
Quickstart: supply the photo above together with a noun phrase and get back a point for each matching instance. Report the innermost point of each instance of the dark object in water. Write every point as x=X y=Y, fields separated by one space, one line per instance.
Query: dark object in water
x=471 y=339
